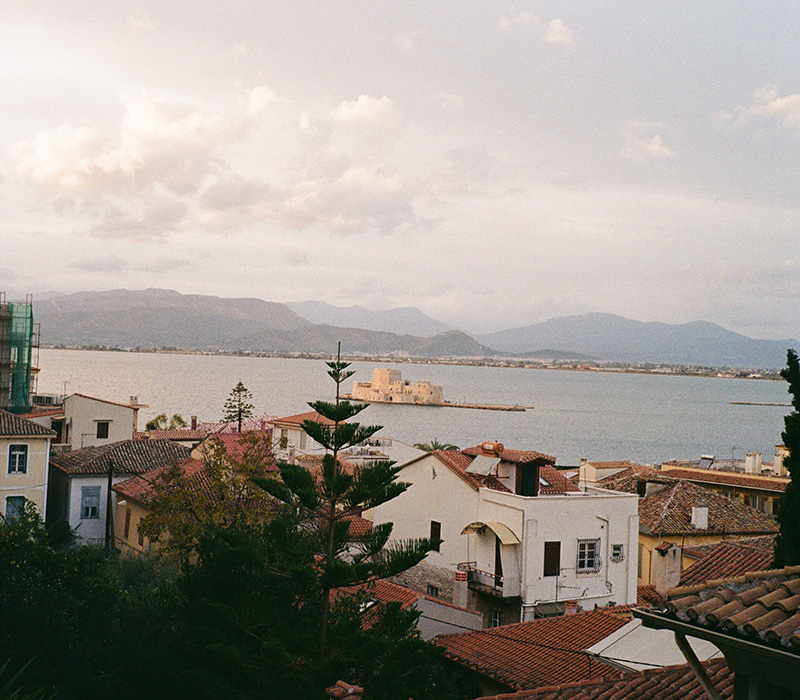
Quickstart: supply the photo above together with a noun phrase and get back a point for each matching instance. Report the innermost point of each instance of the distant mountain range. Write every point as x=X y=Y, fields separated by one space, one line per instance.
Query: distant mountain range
x=407 y=320
x=158 y=318
x=620 y=339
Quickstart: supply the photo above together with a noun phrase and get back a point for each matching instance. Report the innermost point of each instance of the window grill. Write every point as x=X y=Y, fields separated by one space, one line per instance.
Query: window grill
x=588 y=556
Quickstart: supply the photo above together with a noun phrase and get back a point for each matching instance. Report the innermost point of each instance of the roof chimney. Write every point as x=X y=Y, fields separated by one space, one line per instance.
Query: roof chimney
x=194 y=423
x=583 y=460
x=700 y=516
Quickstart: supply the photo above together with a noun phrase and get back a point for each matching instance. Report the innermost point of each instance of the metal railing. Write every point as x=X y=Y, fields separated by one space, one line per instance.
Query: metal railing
x=481 y=579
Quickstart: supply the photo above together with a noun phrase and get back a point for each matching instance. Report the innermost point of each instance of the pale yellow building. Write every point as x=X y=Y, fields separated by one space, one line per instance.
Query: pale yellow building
x=25 y=453
x=388 y=386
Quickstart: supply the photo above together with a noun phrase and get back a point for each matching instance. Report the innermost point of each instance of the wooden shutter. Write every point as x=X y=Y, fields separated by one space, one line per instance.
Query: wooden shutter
x=552 y=558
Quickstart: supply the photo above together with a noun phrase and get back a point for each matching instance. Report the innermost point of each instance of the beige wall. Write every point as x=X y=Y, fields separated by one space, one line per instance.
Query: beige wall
x=32 y=484
x=136 y=512
x=83 y=414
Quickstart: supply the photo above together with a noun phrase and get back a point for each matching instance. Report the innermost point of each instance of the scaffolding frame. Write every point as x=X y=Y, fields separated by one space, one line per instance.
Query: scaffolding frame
x=18 y=347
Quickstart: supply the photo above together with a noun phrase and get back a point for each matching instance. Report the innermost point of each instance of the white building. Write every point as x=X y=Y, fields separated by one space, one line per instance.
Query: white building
x=519 y=539
x=78 y=484
x=84 y=421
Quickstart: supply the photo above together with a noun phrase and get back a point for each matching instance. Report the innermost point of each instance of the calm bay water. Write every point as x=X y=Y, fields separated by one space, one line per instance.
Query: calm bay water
x=601 y=416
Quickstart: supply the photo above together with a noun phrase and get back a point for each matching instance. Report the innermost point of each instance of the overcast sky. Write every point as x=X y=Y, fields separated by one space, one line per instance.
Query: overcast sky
x=492 y=164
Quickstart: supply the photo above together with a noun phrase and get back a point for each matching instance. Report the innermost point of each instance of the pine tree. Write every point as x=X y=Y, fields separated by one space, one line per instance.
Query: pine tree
x=237 y=406
x=332 y=497
x=787 y=543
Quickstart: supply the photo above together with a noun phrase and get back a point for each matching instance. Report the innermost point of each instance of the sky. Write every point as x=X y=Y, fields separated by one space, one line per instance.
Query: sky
x=492 y=164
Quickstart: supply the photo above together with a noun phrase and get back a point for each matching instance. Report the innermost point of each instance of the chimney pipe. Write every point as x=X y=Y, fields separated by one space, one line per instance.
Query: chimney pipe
x=194 y=423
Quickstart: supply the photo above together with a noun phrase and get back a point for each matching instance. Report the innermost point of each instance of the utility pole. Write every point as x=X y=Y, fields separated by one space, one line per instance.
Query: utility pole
x=109 y=543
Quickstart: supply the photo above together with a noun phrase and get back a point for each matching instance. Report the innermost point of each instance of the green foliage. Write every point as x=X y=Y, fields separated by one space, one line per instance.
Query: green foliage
x=161 y=422
x=238 y=405
x=434 y=445
x=223 y=494
x=787 y=543
x=11 y=688
x=328 y=500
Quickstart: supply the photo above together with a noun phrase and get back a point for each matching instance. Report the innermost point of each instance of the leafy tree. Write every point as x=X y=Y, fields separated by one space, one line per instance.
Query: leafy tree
x=237 y=406
x=787 y=543
x=328 y=499
x=161 y=422
x=219 y=492
x=434 y=445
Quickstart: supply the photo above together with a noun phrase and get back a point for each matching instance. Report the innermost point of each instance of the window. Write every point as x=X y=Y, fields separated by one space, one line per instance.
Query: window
x=14 y=506
x=617 y=552
x=284 y=439
x=639 y=563
x=127 y=522
x=141 y=534
x=102 y=429
x=90 y=502
x=17 y=459
x=588 y=556
x=436 y=534
x=552 y=558
x=495 y=618
x=432 y=591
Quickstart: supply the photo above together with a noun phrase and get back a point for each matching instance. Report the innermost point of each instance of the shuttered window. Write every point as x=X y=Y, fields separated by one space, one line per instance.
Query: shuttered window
x=552 y=558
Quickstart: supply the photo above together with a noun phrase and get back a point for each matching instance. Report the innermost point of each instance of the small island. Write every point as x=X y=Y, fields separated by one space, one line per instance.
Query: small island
x=388 y=386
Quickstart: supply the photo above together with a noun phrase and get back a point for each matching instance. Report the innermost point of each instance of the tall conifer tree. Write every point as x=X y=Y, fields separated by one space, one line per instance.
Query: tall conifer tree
x=787 y=543
x=237 y=406
x=331 y=498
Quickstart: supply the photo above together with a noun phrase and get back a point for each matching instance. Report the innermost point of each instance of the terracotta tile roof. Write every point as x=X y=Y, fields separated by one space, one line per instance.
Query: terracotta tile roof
x=141 y=488
x=458 y=461
x=725 y=560
x=537 y=653
x=716 y=477
x=178 y=434
x=761 y=607
x=647 y=595
x=113 y=403
x=766 y=543
x=358 y=525
x=669 y=512
x=299 y=418
x=668 y=683
x=260 y=422
x=128 y=456
x=16 y=426
x=516 y=456
x=42 y=413
x=237 y=444
x=629 y=479
x=617 y=464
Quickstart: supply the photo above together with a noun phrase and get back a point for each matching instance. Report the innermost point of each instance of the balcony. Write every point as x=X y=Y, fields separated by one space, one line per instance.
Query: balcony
x=487 y=582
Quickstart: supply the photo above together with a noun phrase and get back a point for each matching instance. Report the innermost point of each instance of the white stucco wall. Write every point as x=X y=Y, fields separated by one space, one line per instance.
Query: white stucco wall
x=90 y=530
x=83 y=413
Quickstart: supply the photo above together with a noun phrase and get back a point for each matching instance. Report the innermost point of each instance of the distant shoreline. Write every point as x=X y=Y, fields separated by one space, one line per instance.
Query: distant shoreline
x=650 y=368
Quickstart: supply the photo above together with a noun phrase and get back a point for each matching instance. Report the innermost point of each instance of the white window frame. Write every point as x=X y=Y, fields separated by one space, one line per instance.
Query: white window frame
x=87 y=493
x=617 y=552
x=495 y=618
x=18 y=458
x=12 y=517
x=588 y=556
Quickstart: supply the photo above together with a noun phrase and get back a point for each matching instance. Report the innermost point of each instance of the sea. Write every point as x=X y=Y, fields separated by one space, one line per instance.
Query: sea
x=600 y=416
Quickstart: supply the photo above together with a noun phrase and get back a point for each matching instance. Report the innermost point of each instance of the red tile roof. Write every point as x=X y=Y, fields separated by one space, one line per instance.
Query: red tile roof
x=42 y=413
x=647 y=595
x=358 y=525
x=177 y=434
x=669 y=512
x=299 y=418
x=516 y=456
x=127 y=457
x=141 y=488
x=668 y=683
x=721 y=478
x=628 y=479
x=11 y=425
x=727 y=559
x=761 y=607
x=537 y=653
x=113 y=403
x=458 y=461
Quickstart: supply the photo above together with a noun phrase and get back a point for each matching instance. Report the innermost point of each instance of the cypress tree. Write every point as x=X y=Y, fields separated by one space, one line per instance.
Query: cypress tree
x=787 y=543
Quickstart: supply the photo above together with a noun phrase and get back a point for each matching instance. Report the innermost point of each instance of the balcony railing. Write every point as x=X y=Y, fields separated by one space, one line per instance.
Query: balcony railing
x=483 y=581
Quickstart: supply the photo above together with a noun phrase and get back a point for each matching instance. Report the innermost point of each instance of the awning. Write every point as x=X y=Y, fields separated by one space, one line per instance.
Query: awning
x=503 y=532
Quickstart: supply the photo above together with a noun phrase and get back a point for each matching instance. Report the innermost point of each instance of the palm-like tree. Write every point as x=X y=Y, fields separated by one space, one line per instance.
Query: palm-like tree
x=434 y=445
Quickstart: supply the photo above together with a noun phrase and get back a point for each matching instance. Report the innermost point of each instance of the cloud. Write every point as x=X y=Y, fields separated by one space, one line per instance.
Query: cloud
x=366 y=110
x=766 y=104
x=558 y=33
x=642 y=144
x=110 y=263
